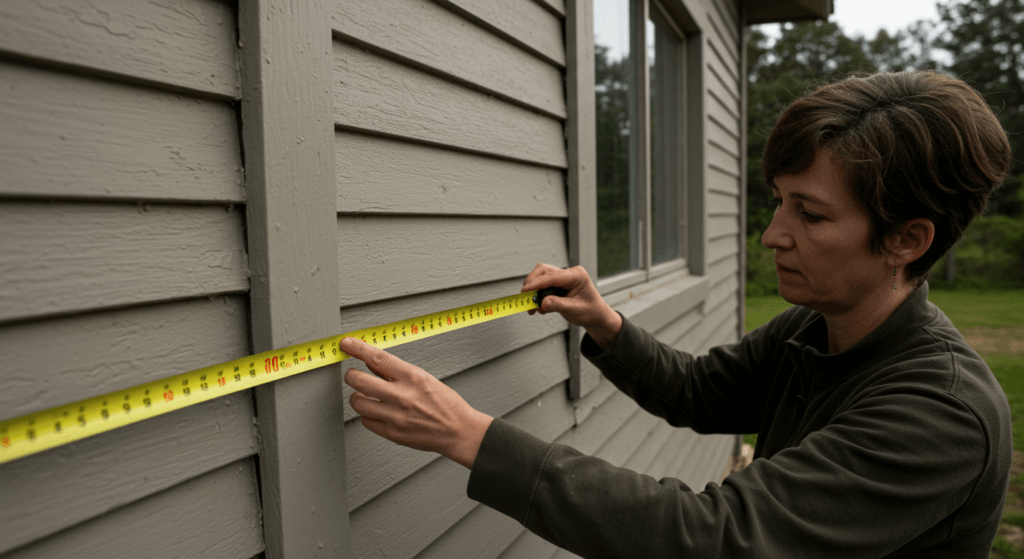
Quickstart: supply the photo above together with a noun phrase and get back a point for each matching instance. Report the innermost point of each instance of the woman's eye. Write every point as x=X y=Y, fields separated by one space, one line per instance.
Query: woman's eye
x=811 y=218
x=776 y=202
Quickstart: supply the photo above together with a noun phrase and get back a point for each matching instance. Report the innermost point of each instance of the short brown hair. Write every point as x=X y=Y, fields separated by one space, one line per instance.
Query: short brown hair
x=908 y=144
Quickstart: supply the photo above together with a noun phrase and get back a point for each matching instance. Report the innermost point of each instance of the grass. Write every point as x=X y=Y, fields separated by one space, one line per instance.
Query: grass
x=992 y=322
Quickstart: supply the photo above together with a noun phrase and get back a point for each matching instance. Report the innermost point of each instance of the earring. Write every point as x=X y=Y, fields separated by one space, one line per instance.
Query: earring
x=894 y=279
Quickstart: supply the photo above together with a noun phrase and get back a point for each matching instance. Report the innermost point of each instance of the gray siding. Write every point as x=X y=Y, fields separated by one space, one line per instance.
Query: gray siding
x=450 y=169
x=123 y=260
x=130 y=233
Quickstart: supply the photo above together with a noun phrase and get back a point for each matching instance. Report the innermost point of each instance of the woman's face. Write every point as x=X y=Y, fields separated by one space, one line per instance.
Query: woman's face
x=820 y=235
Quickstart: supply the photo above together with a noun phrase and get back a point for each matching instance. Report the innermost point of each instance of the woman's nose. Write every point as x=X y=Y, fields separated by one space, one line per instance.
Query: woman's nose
x=775 y=237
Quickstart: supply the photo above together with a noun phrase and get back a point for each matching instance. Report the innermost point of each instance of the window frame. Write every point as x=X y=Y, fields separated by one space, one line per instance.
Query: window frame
x=657 y=295
x=640 y=147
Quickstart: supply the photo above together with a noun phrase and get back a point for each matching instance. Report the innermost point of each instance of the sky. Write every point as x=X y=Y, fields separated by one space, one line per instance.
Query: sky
x=866 y=17
x=853 y=16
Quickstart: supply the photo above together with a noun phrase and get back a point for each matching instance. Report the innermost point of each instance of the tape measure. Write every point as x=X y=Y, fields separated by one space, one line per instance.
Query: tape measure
x=39 y=431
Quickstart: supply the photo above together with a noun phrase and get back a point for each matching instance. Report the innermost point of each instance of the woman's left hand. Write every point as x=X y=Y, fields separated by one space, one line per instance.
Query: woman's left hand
x=410 y=407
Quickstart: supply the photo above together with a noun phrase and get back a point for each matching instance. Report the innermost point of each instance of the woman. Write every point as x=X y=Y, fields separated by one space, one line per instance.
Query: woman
x=881 y=433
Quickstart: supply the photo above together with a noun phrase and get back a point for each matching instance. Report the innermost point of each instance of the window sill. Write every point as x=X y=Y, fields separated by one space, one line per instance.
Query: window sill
x=655 y=304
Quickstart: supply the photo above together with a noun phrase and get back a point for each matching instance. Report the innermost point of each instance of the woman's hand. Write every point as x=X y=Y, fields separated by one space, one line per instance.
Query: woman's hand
x=408 y=406
x=582 y=306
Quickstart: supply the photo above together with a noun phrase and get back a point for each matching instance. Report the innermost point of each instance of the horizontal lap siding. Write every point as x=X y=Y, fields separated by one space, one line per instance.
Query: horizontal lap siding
x=376 y=94
x=122 y=215
x=388 y=256
x=215 y=516
x=450 y=164
x=419 y=179
x=81 y=137
x=184 y=44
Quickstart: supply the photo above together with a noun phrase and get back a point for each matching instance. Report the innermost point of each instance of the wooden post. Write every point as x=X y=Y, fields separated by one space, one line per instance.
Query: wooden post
x=582 y=173
x=291 y=218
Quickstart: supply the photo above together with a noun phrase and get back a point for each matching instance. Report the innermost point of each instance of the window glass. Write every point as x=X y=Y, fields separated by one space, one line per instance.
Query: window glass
x=664 y=56
x=617 y=221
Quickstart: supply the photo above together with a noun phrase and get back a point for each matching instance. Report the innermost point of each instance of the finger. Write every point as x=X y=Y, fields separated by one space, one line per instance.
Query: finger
x=380 y=362
x=366 y=406
x=539 y=271
x=368 y=384
x=550 y=277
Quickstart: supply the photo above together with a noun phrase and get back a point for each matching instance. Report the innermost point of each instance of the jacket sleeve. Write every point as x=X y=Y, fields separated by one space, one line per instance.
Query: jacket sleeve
x=862 y=487
x=721 y=392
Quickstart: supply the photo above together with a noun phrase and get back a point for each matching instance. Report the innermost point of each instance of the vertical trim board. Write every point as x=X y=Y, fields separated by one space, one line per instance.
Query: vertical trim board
x=189 y=44
x=63 y=258
x=437 y=38
x=382 y=175
x=73 y=136
x=581 y=135
x=375 y=94
x=291 y=224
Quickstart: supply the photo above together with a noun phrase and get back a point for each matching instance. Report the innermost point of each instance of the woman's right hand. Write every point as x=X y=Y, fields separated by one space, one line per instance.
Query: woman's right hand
x=582 y=305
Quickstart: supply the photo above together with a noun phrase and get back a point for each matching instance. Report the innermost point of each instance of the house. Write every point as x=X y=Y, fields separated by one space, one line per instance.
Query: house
x=187 y=182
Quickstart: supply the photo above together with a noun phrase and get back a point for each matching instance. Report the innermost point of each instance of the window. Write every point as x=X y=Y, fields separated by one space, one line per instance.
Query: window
x=639 y=60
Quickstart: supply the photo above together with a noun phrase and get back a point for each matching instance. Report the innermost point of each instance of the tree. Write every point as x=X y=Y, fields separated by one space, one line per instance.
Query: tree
x=985 y=42
x=781 y=70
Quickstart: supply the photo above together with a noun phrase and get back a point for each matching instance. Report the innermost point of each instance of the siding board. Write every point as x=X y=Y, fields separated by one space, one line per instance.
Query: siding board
x=524 y=21
x=374 y=464
x=107 y=351
x=401 y=522
x=86 y=478
x=723 y=226
x=723 y=160
x=722 y=135
x=60 y=258
x=71 y=136
x=723 y=80
x=528 y=546
x=380 y=175
x=722 y=248
x=372 y=93
x=483 y=532
x=722 y=204
x=406 y=519
x=185 y=43
x=427 y=34
x=216 y=515
x=420 y=254
x=452 y=353
x=725 y=183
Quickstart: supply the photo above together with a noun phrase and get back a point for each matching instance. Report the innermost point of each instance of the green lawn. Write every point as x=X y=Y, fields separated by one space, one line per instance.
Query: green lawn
x=993 y=323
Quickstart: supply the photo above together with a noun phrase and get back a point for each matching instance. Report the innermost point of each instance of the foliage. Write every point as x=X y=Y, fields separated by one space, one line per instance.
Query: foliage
x=761 y=278
x=985 y=40
x=980 y=41
x=782 y=70
x=991 y=255
x=612 y=96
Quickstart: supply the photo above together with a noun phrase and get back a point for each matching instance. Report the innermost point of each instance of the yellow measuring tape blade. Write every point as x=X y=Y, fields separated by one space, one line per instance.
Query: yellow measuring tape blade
x=39 y=431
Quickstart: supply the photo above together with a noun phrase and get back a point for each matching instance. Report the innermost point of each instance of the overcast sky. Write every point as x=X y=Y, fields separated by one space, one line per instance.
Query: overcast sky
x=864 y=17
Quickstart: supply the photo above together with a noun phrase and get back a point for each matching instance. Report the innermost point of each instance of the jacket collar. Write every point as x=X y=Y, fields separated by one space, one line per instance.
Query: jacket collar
x=808 y=348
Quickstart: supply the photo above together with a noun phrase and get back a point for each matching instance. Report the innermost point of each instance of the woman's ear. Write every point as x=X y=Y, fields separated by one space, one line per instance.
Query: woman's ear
x=910 y=241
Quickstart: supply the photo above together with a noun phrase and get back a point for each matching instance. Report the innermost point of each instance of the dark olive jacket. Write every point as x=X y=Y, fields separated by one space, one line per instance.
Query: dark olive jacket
x=899 y=446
